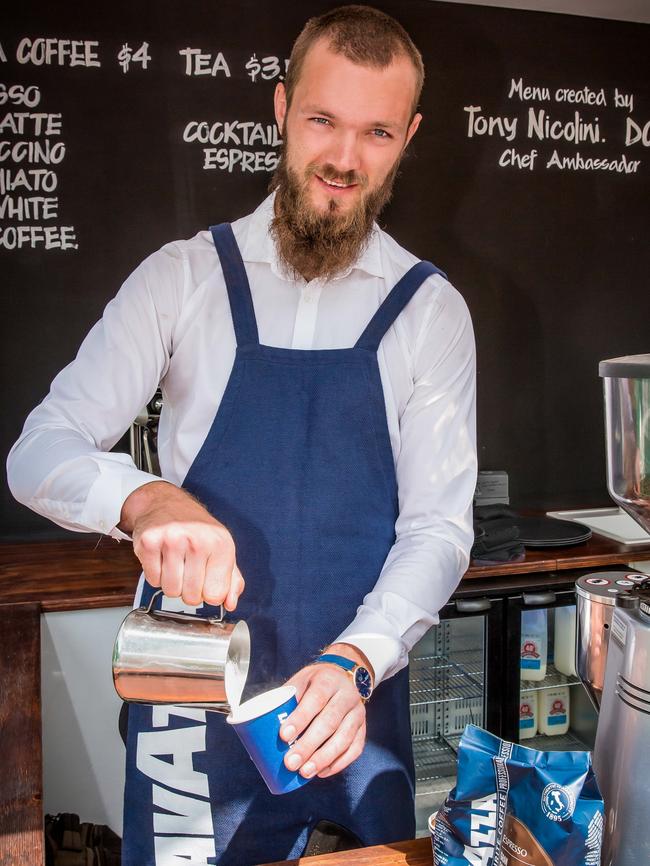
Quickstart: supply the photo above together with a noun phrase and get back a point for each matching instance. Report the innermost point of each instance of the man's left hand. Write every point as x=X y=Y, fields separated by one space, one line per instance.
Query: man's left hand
x=331 y=714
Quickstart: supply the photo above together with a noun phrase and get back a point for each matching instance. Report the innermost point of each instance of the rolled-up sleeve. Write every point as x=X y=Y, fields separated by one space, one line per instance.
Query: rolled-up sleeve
x=61 y=466
x=436 y=474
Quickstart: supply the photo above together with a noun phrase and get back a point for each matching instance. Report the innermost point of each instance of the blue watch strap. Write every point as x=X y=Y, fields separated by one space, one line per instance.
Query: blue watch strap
x=341 y=661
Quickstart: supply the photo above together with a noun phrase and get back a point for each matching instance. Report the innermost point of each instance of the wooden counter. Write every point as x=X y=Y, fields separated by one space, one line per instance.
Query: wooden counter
x=100 y=572
x=94 y=573
x=417 y=852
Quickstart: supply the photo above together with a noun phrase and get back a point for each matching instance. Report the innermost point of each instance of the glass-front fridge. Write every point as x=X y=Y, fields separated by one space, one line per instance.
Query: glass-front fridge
x=454 y=680
x=505 y=662
x=546 y=706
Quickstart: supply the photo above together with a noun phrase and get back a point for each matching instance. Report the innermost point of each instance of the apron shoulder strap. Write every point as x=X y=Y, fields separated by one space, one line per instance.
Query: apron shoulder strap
x=394 y=303
x=239 y=291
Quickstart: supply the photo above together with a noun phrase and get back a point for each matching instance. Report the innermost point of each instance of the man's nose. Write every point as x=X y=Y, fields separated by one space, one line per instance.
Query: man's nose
x=345 y=151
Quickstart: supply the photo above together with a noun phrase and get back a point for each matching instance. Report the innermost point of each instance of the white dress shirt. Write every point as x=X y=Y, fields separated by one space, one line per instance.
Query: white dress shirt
x=170 y=323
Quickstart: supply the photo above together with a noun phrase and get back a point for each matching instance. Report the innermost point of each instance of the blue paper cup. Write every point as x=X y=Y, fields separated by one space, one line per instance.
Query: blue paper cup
x=257 y=723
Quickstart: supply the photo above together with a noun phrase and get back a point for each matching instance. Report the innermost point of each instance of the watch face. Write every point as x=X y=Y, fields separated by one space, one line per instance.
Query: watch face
x=363 y=682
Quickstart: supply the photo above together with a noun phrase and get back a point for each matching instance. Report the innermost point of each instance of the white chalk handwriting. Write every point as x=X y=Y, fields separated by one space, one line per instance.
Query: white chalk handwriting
x=590 y=110
x=127 y=56
x=266 y=68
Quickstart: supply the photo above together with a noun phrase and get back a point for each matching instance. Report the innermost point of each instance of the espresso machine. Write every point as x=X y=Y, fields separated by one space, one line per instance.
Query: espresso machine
x=613 y=635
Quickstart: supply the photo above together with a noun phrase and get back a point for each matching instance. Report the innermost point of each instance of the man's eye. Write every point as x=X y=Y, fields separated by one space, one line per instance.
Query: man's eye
x=321 y=120
x=381 y=133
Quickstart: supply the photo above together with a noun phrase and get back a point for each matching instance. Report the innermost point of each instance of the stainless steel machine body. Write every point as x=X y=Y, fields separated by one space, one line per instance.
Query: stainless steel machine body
x=595 y=599
x=621 y=755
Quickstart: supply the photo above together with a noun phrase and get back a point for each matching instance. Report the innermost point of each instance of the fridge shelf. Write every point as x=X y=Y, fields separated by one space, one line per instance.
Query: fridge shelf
x=552 y=679
x=435 y=760
x=439 y=679
x=562 y=743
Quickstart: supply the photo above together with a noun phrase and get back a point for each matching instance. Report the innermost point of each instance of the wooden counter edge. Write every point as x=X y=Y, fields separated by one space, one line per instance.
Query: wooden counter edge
x=86 y=574
x=416 y=852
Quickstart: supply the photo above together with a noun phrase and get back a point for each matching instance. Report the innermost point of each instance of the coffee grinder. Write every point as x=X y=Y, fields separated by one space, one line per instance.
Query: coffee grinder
x=614 y=626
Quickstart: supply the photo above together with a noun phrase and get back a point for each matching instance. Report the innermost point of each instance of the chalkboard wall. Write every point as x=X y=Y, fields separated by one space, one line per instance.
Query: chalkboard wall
x=528 y=183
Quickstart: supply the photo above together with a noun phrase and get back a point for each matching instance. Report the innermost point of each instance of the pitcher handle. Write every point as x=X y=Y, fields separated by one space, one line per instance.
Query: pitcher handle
x=170 y=614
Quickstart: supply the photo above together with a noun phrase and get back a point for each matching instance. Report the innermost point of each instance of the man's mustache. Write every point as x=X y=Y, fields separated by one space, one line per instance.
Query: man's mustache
x=330 y=173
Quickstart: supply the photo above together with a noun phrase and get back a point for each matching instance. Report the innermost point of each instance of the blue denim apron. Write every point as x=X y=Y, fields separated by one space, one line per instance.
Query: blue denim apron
x=298 y=465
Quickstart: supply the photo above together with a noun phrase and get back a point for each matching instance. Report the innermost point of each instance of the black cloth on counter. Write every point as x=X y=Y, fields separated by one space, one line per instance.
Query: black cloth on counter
x=496 y=536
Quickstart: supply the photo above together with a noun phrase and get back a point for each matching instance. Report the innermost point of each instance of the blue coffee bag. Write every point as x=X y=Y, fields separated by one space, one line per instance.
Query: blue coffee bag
x=514 y=806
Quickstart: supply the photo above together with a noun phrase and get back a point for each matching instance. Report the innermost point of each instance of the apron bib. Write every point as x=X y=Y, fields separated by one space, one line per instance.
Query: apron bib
x=298 y=465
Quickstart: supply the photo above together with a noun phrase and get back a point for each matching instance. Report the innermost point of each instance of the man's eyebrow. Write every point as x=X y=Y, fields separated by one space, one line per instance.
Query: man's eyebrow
x=385 y=124
x=322 y=112
x=315 y=109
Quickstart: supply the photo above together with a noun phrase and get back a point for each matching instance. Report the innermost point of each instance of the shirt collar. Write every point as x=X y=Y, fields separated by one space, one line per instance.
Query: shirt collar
x=258 y=246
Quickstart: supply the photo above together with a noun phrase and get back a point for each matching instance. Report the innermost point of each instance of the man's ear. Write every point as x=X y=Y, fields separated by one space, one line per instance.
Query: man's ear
x=413 y=128
x=280 y=105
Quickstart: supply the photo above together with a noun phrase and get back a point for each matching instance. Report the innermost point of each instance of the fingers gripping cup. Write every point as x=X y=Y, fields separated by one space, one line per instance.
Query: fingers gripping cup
x=257 y=724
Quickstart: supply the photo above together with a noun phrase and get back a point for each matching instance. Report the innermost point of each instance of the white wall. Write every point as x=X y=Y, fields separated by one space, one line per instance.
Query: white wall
x=83 y=755
x=620 y=10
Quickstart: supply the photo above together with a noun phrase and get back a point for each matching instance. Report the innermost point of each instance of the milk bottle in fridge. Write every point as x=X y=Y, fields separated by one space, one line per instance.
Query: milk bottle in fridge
x=554 y=710
x=534 y=644
x=528 y=715
x=565 y=640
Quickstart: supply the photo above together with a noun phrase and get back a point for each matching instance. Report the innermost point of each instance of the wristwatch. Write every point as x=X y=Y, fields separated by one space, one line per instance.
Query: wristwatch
x=361 y=677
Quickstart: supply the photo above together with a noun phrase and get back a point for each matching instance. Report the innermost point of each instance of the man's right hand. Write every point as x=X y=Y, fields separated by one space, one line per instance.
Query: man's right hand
x=182 y=548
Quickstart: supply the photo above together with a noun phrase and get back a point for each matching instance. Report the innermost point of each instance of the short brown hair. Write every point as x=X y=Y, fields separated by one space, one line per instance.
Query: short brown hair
x=362 y=34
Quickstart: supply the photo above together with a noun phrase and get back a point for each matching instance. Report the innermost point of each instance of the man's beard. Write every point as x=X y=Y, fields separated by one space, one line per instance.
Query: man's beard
x=315 y=244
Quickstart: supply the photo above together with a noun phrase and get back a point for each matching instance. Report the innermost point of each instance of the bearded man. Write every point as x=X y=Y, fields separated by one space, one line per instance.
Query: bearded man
x=316 y=440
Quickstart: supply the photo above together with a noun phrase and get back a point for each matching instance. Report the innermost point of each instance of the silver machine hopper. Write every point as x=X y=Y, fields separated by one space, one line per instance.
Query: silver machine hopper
x=626 y=383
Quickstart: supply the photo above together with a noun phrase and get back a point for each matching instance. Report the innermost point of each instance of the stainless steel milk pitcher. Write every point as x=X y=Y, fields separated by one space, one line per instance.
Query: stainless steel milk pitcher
x=162 y=657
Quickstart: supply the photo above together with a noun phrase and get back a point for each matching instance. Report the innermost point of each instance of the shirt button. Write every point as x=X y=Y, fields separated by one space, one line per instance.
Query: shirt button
x=102 y=524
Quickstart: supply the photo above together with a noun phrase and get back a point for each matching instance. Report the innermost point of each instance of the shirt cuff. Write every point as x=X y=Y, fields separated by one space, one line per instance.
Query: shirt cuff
x=386 y=654
x=108 y=493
